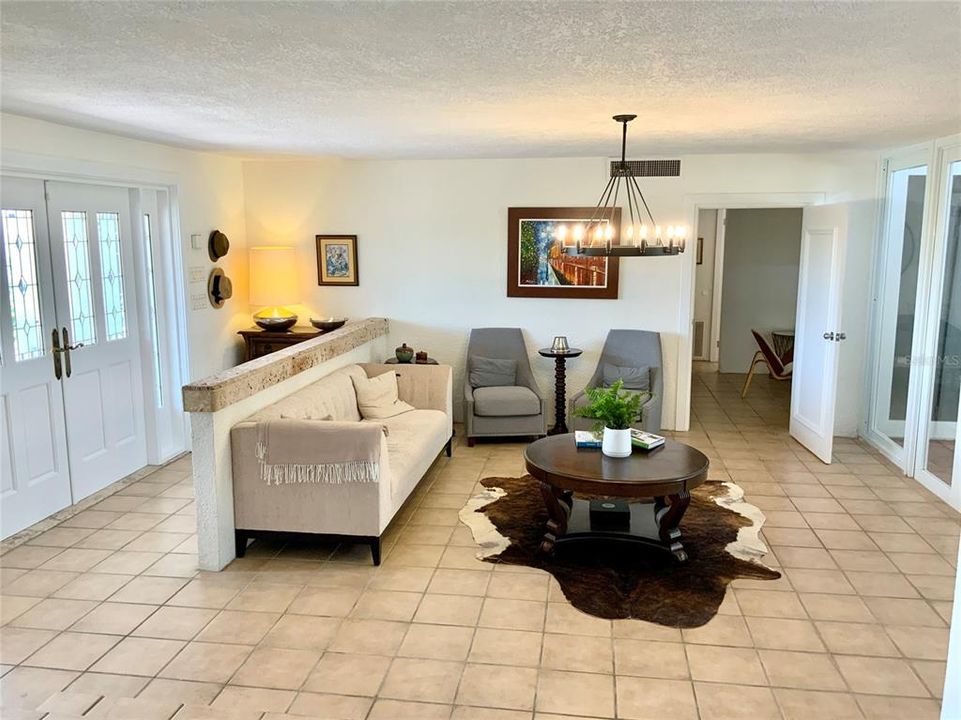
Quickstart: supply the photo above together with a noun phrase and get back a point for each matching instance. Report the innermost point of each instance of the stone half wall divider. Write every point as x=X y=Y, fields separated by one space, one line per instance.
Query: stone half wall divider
x=220 y=401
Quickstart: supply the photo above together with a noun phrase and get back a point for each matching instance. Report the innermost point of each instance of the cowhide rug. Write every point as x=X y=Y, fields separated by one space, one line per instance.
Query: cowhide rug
x=618 y=580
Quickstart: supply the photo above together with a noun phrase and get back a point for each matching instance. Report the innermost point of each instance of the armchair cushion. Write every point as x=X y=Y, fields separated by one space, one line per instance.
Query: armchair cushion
x=635 y=378
x=505 y=401
x=492 y=372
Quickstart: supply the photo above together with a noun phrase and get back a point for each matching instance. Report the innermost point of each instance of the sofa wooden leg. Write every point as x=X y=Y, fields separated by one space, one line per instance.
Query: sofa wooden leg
x=470 y=442
x=240 y=538
x=375 y=550
x=449 y=447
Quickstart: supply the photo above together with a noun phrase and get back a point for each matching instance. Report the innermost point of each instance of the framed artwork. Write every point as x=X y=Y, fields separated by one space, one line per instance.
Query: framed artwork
x=537 y=265
x=700 y=251
x=337 y=260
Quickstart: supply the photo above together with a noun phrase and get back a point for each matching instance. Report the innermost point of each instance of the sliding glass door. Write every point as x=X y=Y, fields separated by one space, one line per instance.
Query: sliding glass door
x=937 y=457
x=915 y=381
x=897 y=295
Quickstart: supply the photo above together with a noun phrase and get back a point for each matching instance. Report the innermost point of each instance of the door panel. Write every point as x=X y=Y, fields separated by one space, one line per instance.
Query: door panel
x=35 y=479
x=814 y=383
x=939 y=433
x=896 y=298
x=93 y=268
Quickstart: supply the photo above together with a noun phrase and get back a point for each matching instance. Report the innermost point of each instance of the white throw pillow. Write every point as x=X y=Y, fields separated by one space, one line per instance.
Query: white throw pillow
x=377 y=397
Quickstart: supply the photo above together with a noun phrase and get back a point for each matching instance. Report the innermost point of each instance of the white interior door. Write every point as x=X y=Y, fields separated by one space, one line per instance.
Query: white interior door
x=34 y=476
x=94 y=273
x=817 y=331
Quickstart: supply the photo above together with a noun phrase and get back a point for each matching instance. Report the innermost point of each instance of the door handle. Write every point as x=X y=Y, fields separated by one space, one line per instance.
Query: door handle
x=829 y=336
x=840 y=336
x=67 y=347
x=55 y=351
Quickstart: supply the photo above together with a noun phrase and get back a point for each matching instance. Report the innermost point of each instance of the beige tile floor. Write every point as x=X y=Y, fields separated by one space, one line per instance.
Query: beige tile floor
x=106 y=616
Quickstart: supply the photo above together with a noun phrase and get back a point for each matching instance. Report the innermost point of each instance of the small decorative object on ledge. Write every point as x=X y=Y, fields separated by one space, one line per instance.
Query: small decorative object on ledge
x=217 y=245
x=328 y=324
x=405 y=353
x=422 y=357
x=219 y=288
x=560 y=344
x=337 y=260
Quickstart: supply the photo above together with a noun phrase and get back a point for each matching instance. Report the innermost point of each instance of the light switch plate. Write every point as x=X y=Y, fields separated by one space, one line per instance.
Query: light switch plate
x=198 y=301
x=197 y=242
x=198 y=274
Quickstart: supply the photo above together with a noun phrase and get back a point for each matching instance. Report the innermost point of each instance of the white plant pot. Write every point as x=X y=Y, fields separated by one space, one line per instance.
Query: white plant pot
x=616 y=443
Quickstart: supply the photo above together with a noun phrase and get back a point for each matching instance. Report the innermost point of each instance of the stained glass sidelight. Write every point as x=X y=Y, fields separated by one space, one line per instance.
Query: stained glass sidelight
x=115 y=314
x=77 y=253
x=23 y=284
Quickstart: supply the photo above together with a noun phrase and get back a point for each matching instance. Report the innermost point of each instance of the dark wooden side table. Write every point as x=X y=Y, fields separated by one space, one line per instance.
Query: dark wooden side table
x=263 y=342
x=560 y=386
x=656 y=485
x=395 y=361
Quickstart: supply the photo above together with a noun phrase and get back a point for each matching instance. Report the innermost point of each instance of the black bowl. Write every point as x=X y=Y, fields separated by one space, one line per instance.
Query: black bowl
x=329 y=324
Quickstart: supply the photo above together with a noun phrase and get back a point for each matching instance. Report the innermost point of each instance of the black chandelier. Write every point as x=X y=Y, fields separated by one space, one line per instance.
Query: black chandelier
x=597 y=237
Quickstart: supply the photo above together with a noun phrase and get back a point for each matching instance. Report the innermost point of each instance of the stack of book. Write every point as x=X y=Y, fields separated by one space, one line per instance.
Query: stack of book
x=587 y=439
x=645 y=440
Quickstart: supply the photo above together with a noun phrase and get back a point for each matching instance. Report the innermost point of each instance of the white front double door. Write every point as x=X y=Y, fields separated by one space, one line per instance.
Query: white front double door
x=71 y=390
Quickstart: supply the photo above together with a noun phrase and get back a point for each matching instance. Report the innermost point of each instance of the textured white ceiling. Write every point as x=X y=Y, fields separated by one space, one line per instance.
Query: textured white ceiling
x=489 y=79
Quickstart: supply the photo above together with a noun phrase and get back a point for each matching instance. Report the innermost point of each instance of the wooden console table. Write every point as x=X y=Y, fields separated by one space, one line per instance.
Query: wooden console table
x=263 y=342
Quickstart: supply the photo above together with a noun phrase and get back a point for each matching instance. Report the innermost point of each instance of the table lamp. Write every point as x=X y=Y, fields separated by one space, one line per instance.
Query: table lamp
x=273 y=285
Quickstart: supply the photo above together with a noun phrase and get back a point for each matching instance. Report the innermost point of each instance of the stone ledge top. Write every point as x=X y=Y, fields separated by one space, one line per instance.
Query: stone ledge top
x=231 y=386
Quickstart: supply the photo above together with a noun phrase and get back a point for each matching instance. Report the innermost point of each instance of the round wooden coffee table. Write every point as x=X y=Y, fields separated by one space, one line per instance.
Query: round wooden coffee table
x=640 y=498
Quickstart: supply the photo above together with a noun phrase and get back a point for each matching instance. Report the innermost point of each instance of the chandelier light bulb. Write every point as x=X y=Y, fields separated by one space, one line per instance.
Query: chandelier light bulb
x=670 y=232
x=643 y=231
x=561 y=233
x=578 y=233
x=657 y=232
x=609 y=232
x=598 y=233
x=681 y=232
x=630 y=232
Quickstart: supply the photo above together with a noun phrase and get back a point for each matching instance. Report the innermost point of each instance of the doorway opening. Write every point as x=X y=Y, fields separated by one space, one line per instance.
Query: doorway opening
x=745 y=303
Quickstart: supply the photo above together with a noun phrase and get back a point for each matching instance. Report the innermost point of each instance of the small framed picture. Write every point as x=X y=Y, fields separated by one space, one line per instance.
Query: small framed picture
x=337 y=260
x=700 y=251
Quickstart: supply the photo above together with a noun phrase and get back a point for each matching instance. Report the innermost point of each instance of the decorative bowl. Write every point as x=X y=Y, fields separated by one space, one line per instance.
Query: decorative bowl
x=328 y=324
x=276 y=324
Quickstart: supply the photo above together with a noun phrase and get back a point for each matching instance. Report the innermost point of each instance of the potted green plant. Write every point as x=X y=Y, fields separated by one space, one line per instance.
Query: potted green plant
x=615 y=410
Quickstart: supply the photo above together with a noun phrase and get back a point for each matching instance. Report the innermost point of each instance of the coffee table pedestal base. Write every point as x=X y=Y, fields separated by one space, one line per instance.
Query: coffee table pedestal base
x=654 y=523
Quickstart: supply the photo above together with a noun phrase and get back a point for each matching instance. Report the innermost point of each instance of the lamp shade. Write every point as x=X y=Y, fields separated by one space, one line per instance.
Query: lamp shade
x=273 y=276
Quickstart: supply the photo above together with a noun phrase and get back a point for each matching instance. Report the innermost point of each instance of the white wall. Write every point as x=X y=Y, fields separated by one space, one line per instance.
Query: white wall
x=432 y=241
x=704 y=276
x=211 y=195
x=762 y=250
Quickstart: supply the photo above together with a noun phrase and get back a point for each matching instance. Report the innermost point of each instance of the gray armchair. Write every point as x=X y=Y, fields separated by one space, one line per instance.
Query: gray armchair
x=505 y=410
x=628 y=349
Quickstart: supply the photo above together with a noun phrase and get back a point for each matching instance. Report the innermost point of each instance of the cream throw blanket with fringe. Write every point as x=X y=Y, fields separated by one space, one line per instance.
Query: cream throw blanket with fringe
x=293 y=451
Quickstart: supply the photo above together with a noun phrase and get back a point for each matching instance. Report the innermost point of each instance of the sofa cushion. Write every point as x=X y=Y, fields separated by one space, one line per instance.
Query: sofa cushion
x=505 y=402
x=635 y=378
x=377 y=396
x=491 y=372
x=332 y=395
x=412 y=436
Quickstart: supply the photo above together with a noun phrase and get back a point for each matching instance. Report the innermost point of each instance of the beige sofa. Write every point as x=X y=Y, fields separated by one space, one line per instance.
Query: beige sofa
x=350 y=510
